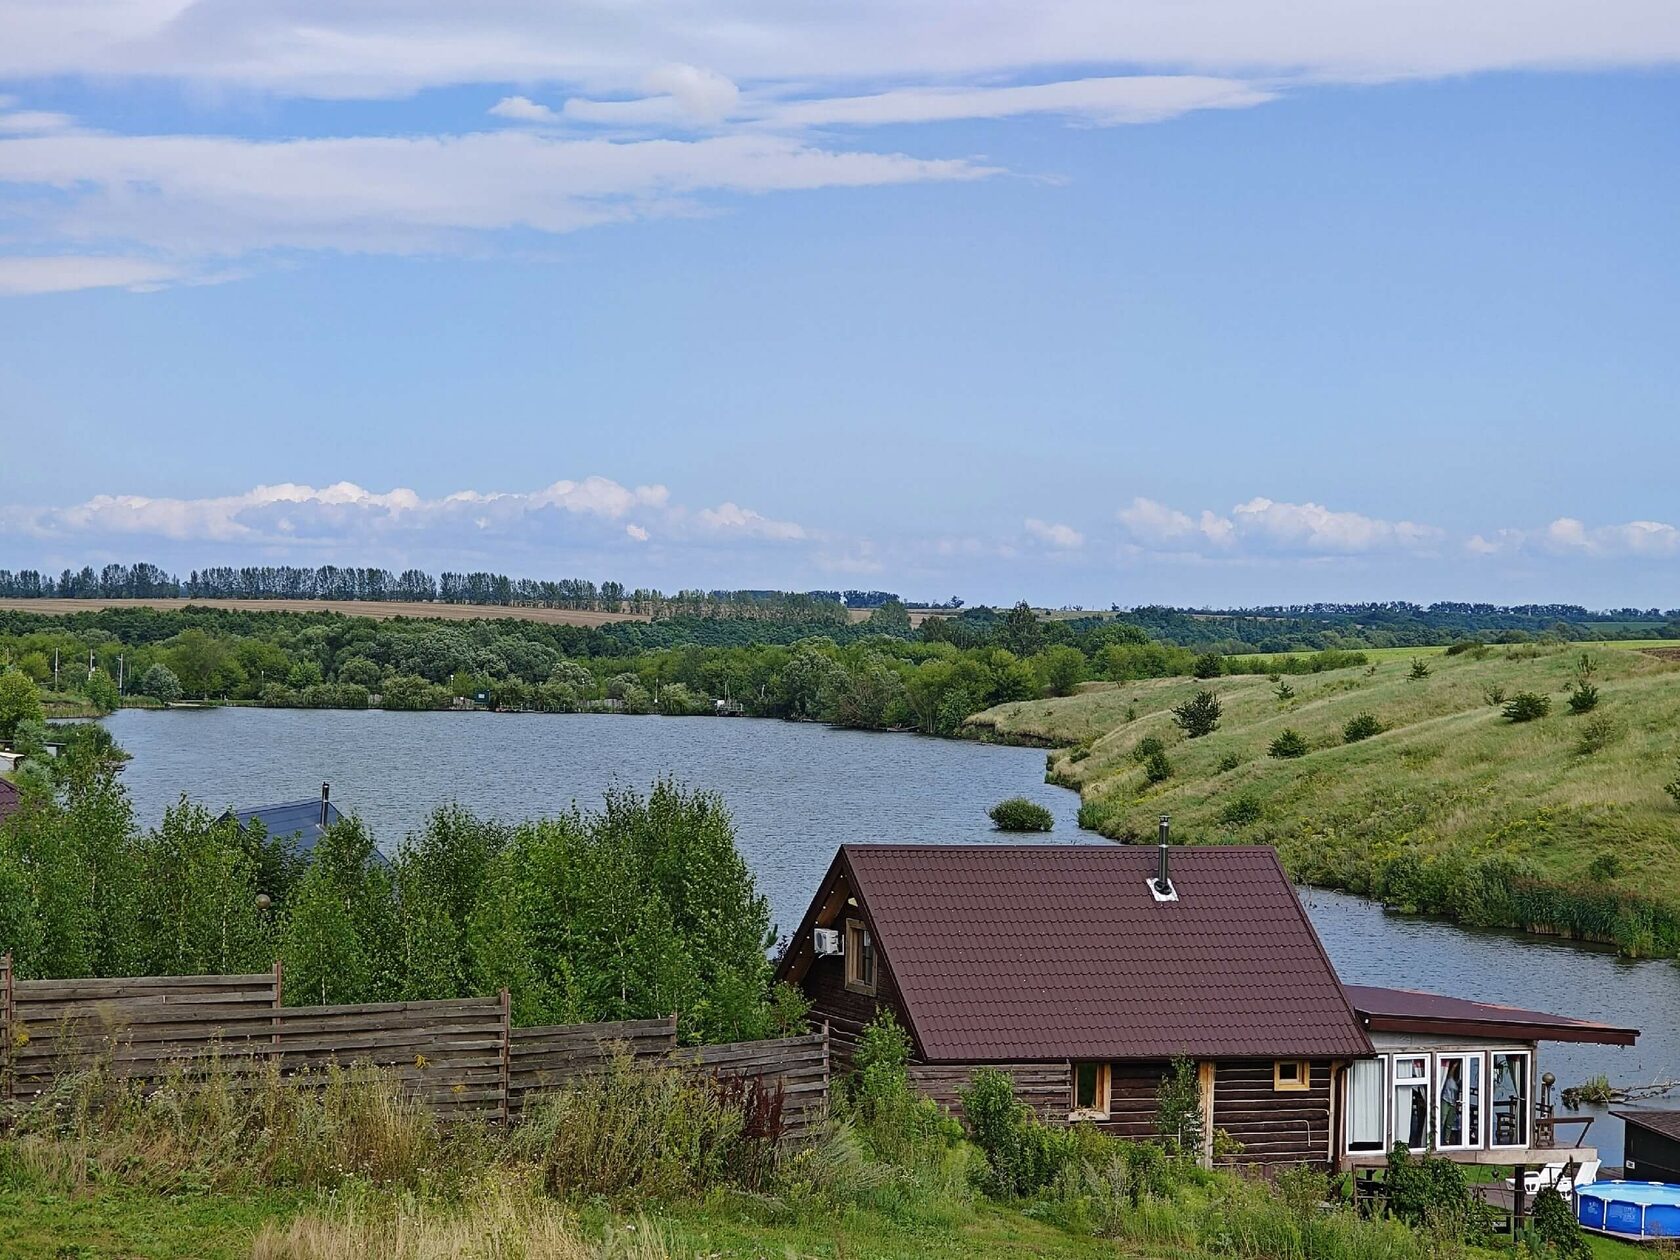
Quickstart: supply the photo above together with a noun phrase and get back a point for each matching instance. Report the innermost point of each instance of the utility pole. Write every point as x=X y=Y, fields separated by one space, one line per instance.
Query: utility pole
x=90 y=663
x=55 y=669
x=119 y=673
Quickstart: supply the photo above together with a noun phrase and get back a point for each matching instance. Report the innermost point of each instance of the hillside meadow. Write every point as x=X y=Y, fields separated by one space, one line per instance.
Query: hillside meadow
x=1559 y=824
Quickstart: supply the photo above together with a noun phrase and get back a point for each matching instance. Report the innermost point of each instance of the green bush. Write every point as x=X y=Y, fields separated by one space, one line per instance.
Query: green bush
x=1420 y=669
x=1020 y=814
x=1555 y=1230
x=1526 y=706
x=1022 y=1153
x=1494 y=695
x=1283 y=691
x=1147 y=747
x=1198 y=715
x=892 y=1120
x=1672 y=787
x=1242 y=811
x=1583 y=697
x=1208 y=665
x=1289 y=743
x=1178 y=1110
x=1157 y=768
x=1230 y=761
x=1597 y=733
x=1362 y=727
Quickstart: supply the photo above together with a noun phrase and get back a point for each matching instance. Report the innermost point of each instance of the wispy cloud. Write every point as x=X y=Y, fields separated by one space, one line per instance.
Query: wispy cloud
x=1567 y=536
x=1054 y=534
x=1266 y=526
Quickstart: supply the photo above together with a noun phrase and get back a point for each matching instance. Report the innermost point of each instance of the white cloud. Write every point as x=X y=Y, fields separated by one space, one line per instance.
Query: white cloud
x=1055 y=535
x=1266 y=526
x=704 y=94
x=32 y=121
x=523 y=109
x=64 y=273
x=347 y=516
x=329 y=48
x=1568 y=536
x=187 y=199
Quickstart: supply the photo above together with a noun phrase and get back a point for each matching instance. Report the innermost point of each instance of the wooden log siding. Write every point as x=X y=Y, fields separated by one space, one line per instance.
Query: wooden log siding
x=800 y=1065
x=5 y=1026
x=1274 y=1126
x=1045 y=1087
x=540 y=1058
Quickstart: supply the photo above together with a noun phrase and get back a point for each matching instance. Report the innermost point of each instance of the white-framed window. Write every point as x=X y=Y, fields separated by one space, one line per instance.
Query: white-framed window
x=1411 y=1101
x=1090 y=1092
x=1510 y=1104
x=1458 y=1101
x=860 y=957
x=1367 y=1106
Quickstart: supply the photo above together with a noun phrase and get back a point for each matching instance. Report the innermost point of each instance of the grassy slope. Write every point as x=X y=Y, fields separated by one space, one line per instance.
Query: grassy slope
x=1450 y=776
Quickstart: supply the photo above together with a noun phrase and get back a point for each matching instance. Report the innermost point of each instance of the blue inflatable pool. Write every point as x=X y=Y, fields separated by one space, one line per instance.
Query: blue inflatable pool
x=1633 y=1209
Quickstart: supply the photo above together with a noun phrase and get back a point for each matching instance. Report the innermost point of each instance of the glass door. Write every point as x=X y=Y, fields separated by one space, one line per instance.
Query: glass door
x=1458 y=1102
x=1411 y=1101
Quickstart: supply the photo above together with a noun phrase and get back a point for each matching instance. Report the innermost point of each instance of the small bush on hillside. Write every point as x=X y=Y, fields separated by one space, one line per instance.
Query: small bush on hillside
x=1289 y=743
x=1526 y=706
x=1157 y=768
x=1147 y=747
x=1672 y=787
x=1587 y=666
x=1466 y=645
x=1583 y=697
x=1362 y=727
x=1079 y=753
x=1131 y=713
x=1284 y=691
x=1242 y=811
x=1020 y=814
x=1597 y=734
x=1420 y=669
x=1606 y=866
x=1230 y=761
x=1208 y=665
x=1198 y=715
x=1493 y=695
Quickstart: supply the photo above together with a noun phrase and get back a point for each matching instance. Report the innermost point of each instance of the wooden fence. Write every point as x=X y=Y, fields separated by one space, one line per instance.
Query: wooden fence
x=461 y=1056
x=1045 y=1087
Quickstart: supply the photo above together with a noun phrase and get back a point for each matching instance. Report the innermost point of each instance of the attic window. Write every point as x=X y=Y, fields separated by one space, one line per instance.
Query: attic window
x=860 y=958
x=1090 y=1092
x=1291 y=1074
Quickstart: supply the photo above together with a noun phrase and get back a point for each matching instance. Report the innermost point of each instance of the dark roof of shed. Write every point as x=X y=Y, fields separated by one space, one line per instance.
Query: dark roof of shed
x=299 y=821
x=1667 y=1123
x=1023 y=952
x=10 y=800
x=1409 y=1010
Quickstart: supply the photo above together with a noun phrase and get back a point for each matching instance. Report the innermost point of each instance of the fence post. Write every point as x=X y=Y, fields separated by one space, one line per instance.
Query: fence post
x=828 y=1082
x=274 y=1037
x=8 y=1017
x=507 y=1053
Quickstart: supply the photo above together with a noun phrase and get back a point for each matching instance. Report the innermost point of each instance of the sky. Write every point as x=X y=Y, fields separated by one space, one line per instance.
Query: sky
x=1226 y=302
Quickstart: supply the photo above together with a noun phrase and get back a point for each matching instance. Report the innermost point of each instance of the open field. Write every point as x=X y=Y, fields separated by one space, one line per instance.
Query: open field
x=1452 y=808
x=380 y=610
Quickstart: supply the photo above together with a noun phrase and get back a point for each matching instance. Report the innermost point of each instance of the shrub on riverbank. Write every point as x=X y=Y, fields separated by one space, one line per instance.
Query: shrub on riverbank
x=1020 y=814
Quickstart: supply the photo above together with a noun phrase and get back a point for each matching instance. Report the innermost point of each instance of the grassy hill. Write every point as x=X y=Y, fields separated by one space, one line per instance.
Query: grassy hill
x=1452 y=809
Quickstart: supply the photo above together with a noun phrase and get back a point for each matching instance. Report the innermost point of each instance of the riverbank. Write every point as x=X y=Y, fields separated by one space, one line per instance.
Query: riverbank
x=1559 y=825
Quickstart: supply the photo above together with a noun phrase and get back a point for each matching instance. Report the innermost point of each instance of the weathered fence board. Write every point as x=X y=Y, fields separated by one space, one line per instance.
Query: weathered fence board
x=460 y=1056
x=1045 y=1087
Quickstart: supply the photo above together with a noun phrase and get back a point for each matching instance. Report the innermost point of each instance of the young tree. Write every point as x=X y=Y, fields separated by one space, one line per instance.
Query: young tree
x=1198 y=715
x=1063 y=669
x=20 y=701
x=160 y=683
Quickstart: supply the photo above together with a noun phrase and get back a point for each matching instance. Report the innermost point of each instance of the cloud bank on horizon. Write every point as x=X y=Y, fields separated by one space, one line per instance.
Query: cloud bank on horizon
x=570 y=525
x=588 y=116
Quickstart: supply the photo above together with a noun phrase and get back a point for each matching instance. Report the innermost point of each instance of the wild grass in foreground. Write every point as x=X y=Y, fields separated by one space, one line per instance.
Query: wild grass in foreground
x=646 y=1162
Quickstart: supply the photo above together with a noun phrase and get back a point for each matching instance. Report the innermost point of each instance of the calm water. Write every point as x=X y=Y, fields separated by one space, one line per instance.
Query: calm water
x=797 y=792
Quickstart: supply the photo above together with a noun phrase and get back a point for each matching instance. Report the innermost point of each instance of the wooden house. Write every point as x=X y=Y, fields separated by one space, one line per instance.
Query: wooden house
x=1087 y=969
x=300 y=824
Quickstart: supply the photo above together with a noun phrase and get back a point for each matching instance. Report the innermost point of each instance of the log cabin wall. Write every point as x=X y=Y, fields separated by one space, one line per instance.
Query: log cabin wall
x=846 y=1011
x=1274 y=1126
x=1133 y=1098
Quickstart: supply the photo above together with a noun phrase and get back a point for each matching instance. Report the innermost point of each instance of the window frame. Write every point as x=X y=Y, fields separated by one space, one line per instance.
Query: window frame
x=1303 y=1076
x=1385 y=1100
x=1471 y=1141
x=1527 y=1135
x=860 y=943
x=1103 y=1099
x=1426 y=1083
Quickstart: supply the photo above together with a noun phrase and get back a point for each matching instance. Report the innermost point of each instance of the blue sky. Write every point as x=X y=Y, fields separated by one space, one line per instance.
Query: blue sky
x=1310 y=302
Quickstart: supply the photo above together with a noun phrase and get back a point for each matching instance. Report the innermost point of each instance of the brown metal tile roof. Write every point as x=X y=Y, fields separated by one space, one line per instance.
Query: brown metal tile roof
x=1021 y=952
x=1410 y=1010
x=10 y=800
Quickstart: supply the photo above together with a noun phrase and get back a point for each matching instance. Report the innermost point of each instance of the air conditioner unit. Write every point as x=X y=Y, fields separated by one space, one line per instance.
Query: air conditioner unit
x=826 y=941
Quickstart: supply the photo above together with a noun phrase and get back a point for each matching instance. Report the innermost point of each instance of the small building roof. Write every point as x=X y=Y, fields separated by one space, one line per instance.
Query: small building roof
x=1665 y=1123
x=1412 y=1011
x=299 y=821
x=1044 y=952
x=10 y=800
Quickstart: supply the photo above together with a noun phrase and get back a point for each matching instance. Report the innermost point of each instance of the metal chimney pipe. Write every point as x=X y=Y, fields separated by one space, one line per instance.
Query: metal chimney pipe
x=1163 y=881
x=326 y=791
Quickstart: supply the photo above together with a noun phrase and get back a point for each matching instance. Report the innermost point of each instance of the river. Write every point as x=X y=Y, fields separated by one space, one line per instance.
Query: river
x=797 y=791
